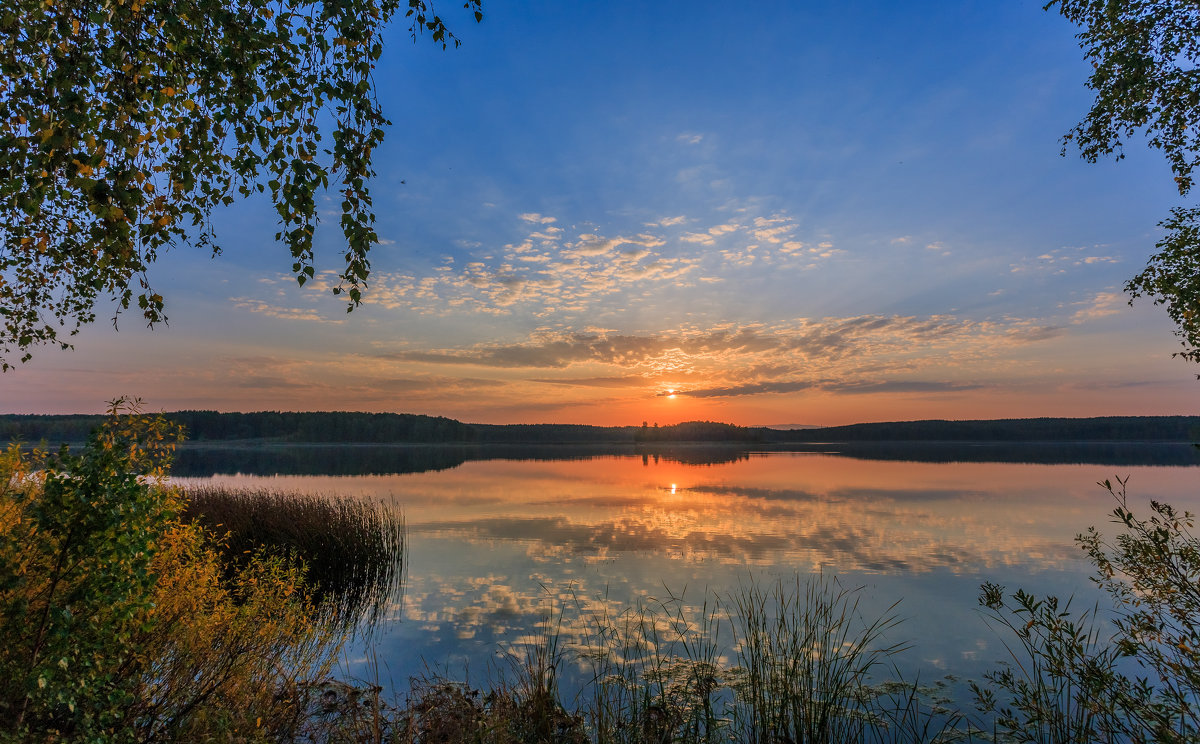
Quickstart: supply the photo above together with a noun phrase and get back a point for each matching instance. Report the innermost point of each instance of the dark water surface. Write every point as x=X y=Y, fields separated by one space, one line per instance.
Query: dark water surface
x=500 y=536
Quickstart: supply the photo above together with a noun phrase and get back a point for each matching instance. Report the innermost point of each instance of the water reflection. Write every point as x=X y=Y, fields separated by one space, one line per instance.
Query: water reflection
x=204 y=459
x=494 y=542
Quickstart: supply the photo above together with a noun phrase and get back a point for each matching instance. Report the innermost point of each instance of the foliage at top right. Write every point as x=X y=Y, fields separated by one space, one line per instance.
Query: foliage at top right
x=1146 y=75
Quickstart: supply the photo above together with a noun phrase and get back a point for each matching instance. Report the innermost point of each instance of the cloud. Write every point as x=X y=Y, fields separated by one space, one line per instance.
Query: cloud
x=668 y=222
x=1102 y=305
x=276 y=311
x=850 y=388
x=755 y=388
x=771 y=229
x=709 y=237
x=1057 y=261
x=551 y=352
x=1031 y=333
x=544 y=273
x=938 y=248
x=595 y=245
x=626 y=381
x=432 y=383
x=870 y=354
x=902 y=386
x=690 y=138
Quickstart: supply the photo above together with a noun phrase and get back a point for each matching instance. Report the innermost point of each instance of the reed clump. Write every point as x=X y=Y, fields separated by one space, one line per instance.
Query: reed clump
x=352 y=550
x=805 y=658
x=794 y=661
x=790 y=662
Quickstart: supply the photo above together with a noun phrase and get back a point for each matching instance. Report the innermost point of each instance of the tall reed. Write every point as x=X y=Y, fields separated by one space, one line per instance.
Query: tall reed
x=655 y=673
x=805 y=656
x=352 y=550
x=791 y=662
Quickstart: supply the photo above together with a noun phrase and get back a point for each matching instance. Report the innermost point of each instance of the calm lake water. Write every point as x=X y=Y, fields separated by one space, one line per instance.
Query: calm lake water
x=497 y=541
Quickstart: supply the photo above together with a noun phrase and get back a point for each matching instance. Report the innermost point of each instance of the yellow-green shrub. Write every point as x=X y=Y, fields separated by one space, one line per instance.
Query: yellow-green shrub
x=118 y=621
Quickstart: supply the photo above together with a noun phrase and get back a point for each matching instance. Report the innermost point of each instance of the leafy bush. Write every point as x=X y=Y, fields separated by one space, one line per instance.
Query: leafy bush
x=119 y=624
x=1067 y=683
x=1152 y=572
x=1062 y=680
x=76 y=583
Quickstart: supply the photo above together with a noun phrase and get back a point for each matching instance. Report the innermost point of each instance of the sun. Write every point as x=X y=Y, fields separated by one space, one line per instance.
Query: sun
x=671 y=394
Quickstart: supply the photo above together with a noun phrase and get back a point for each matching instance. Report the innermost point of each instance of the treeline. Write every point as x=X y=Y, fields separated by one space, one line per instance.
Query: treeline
x=699 y=431
x=1100 y=429
x=325 y=427
x=688 y=431
x=275 y=426
x=551 y=434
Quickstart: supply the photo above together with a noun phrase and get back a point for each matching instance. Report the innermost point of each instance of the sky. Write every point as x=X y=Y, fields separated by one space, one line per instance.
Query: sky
x=770 y=213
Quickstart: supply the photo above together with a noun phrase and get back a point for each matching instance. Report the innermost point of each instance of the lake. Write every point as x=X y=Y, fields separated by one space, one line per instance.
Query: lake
x=499 y=537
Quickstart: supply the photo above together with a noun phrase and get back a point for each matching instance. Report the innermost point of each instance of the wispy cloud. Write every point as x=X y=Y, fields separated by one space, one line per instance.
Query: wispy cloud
x=626 y=381
x=848 y=388
x=1059 y=260
x=278 y=311
x=668 y=221
x=548 y=272
x=870 y=354
x=1102 y=305
x=754 y=388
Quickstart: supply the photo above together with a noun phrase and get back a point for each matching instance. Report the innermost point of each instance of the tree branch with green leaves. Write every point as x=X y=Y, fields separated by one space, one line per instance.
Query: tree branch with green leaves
x=1145 y=59
x=125 y=123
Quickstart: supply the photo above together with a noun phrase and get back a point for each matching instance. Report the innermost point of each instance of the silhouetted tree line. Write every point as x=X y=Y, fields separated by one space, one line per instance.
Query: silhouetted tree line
x=1041 y=453
x=699 y=431
x=204 y=426
x=551 y=433
x=1100 y=429
x=392 y=428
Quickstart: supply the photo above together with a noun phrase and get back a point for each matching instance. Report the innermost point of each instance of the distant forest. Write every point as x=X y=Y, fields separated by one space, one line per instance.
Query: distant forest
x=266 y=426
x=394 y=428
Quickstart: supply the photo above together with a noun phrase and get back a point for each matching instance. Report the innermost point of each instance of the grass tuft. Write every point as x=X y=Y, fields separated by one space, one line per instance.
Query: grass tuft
x=352 y=550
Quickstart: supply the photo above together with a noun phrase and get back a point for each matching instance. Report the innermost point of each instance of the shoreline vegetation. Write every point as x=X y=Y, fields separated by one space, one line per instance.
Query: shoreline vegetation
x=394 y=428
x=134 y=611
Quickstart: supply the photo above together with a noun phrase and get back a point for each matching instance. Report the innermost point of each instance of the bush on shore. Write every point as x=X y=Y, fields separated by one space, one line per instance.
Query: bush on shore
x=119 y=622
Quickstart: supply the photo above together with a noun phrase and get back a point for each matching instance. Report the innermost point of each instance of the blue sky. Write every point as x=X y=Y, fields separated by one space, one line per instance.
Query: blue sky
x=615 y=212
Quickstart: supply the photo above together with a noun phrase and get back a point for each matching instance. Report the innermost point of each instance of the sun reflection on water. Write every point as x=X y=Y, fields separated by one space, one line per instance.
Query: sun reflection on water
x=495 y=544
